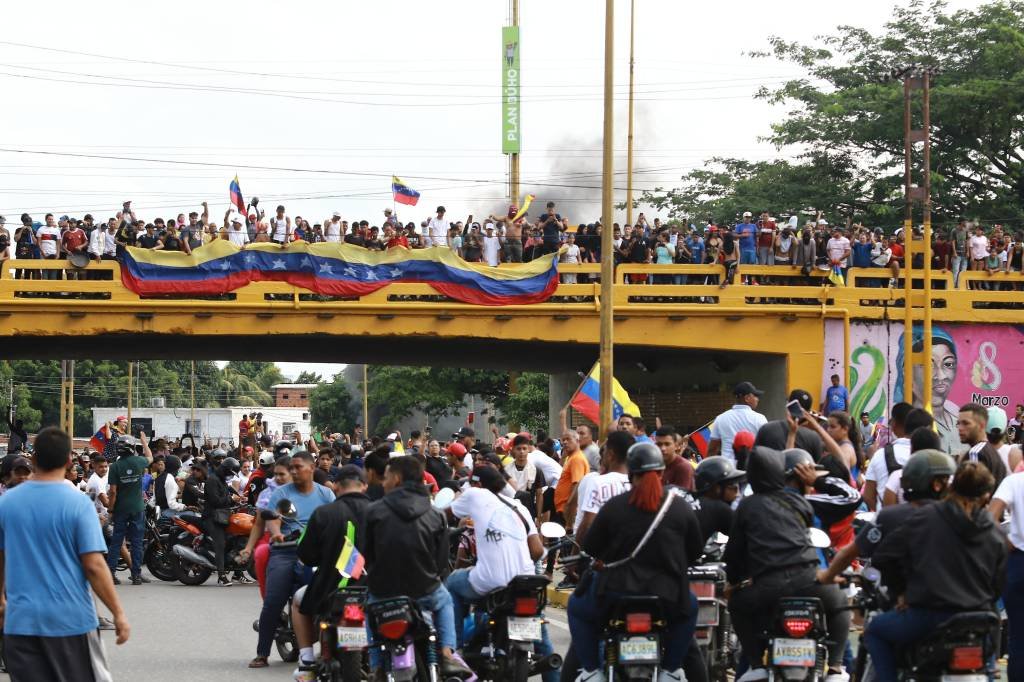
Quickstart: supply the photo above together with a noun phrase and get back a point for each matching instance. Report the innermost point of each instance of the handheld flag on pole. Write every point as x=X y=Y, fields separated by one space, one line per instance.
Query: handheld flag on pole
x=350 y=562
x=403 y=194
x=587 y=399
x=699 y=440
x=235 y=196
x=836 y=276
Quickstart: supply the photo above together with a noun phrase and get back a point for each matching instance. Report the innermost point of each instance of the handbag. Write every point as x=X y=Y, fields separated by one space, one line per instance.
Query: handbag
x=222 y=516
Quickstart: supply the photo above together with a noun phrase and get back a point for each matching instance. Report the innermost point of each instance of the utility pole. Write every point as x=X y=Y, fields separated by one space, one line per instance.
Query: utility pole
x=917 y=79
x=366 y=404
x=629 y=135
x=131 y=368
x=192 y=398
x=67 y=396
x=607 y=245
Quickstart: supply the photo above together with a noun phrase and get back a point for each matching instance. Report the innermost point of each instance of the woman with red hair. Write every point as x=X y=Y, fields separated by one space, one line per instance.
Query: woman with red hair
x=642 y=542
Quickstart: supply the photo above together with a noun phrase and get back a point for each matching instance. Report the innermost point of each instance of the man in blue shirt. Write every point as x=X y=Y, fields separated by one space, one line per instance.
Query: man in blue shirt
x=837 y=398
x=747 y=233
x=284 y=572
x=695 y=245
x=51 y=552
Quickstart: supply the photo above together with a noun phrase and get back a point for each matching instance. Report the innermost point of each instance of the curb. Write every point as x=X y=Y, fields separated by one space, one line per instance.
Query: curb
x=558 y=598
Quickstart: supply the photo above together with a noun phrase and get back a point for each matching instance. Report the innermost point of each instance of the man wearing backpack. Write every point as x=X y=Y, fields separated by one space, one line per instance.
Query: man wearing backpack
x=888 y=459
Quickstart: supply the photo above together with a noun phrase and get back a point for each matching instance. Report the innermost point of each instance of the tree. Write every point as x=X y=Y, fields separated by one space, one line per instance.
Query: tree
x=846 y=117
x=528 y=406
x=263 y=374
x=330 y=406
x=307 y=377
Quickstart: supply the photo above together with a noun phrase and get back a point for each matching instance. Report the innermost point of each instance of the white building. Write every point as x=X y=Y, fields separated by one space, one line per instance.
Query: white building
x=215 y=422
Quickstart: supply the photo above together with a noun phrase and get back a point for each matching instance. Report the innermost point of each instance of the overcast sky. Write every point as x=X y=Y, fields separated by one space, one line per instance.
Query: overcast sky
x=363 y=90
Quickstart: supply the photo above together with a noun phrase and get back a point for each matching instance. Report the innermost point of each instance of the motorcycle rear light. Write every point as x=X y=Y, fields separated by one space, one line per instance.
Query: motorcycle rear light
x=638 y=623
x=702 y=589
x=797 y=627
x=353 y=613
x=966 y=658
x=525 y=606
x=393 y=629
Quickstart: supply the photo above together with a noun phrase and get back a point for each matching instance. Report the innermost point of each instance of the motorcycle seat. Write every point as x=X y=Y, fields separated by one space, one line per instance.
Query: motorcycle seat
x=969 y=620
x=636 y=604
x=191 y=517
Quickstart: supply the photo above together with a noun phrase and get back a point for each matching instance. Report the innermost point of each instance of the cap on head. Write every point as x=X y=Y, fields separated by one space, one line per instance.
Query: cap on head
x=746 y=388
x=996 y=419
x=743 y=439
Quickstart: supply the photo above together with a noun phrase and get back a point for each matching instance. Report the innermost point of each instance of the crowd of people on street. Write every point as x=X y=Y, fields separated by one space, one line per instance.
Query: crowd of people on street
x=513 y=238
x=642 y=504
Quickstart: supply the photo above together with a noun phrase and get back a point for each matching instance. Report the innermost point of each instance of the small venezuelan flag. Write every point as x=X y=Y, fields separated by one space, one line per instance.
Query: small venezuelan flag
x=403 y=193
x=99 y=441
x=587 y=400
x=699 y=440
x=350 y=562
x=235 y=196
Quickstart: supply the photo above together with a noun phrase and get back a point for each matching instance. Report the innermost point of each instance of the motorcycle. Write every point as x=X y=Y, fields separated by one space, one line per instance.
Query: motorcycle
x=509 y=625
x=714 y=635
x=796 y=639
x=194 y=549
x=343 y=639
x=406 y=640
x=157 y=553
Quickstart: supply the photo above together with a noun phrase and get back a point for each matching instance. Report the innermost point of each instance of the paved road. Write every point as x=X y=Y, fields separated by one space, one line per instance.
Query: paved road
x=204 y=634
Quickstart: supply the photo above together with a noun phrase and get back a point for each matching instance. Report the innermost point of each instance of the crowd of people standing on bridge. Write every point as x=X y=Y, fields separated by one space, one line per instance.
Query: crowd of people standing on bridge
x=493 y=240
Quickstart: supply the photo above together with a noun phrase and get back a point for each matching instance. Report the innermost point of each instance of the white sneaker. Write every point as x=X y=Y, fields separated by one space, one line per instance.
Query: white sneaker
x=591 y=676
x=672 y=675
x=753 y=675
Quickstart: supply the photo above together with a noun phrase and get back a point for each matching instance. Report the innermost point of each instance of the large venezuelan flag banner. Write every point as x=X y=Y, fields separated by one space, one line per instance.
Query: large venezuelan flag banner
x=587 y=400
x=335 y=269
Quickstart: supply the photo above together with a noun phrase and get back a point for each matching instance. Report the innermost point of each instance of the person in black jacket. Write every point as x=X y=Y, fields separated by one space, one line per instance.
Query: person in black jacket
x=718 y=485
x=406 y=552
x=218 y=496
x=947 y=558
x=659 y=569
x=321 y=545
x=770 y=555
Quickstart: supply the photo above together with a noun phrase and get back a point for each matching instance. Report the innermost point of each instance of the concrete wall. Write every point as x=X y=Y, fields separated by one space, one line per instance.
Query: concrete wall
x=213 y=422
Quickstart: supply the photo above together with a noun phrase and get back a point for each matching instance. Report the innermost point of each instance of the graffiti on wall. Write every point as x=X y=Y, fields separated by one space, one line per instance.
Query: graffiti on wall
x=979 y=363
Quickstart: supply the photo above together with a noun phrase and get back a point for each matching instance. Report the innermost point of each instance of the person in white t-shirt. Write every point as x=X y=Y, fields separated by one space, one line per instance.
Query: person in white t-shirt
x=282 y=228
x=571 y=256
x=97 y=486
x=492 y=246
x=437 y=230
x=332 y=230
x=237 y=234
x=601 y=487
x=507 y=542
x=879 y=468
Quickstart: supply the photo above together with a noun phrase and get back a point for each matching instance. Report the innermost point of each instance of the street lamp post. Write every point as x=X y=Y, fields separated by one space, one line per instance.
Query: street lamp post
x=607 y=246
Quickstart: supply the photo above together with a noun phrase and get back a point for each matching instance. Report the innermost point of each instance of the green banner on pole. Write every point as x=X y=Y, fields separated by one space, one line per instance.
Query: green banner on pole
x=510 y=128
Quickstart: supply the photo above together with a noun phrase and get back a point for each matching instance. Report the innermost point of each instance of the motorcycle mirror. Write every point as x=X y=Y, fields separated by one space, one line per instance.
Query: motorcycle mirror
x=871 y=574
x=819 y=538
x=269 y=514
x=720 y=539
x=443 y=499
x=550 y=530
x=286 y=509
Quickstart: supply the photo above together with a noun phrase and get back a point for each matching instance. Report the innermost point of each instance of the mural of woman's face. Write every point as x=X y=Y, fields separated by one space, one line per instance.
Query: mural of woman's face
x=943 y=375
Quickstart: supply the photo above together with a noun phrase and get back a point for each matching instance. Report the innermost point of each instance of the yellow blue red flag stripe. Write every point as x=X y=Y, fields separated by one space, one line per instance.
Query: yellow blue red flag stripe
x=403 y=193
x=335 y=270
x=587 y=400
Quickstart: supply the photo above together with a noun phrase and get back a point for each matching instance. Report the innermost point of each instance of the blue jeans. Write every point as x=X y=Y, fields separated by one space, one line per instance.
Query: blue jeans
x=131 y=526
x=284 y=575
x=888 y=632
x=437 y=606
x=1013 y=600
x=463 y=593
x=959 y=264
x=588 y=614
x=168 y=514
x=747 y=257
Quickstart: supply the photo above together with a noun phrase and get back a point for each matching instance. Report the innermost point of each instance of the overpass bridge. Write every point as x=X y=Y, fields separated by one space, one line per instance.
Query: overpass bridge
x=788 y=331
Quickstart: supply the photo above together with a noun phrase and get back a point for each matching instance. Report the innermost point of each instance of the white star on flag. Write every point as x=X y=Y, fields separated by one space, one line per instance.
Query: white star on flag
x=327 y=267
x=250 y=258
x=307 y=262
x=370 y=274
x=224 y=265
x=278 y=264
x=395 y=272
x=350 y=271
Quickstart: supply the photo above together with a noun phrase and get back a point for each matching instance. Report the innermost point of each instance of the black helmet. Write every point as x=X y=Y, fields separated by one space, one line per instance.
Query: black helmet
x=643 y=457
x=283 y=447
x=124 y=447
x=919 y=471
x=714 y=470
x=795 y=456
x=218 y=454
x=230 y=465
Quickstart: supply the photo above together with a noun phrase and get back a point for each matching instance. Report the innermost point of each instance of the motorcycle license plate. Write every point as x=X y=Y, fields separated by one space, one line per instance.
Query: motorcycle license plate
x=352 y=638
x=964 y=678
x=639 y=650
x=524 y=629
x=799 y=653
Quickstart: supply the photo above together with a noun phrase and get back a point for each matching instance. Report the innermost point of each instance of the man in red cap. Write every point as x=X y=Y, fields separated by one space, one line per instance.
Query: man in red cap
x=742 y=444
